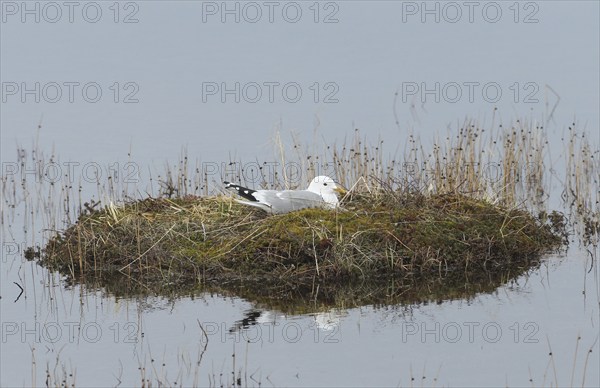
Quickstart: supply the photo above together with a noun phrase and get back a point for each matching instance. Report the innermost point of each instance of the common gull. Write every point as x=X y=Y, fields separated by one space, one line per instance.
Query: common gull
x=322 y=192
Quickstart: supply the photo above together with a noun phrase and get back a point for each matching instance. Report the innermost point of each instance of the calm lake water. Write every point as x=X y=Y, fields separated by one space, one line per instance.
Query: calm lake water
x=504 y=336
x=124 y=89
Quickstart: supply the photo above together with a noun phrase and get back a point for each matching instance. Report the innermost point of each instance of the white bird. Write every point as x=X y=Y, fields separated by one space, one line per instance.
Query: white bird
x=320 y=193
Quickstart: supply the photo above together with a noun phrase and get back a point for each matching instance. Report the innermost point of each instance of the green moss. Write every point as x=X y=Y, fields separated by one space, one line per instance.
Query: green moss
x=190 y=241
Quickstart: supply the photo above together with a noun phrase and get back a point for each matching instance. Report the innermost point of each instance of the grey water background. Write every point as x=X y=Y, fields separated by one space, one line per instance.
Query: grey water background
x=367 y=65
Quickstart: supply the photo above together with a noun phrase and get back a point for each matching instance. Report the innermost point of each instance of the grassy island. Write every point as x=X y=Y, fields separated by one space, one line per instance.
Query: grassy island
x=161 y=241
x=465 y=217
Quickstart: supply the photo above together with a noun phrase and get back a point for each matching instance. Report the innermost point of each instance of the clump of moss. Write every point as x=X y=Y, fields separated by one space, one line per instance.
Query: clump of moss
x=158 y=243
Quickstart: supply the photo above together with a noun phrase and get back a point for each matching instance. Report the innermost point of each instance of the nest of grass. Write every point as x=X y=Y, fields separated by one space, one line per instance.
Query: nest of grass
x=160 y=243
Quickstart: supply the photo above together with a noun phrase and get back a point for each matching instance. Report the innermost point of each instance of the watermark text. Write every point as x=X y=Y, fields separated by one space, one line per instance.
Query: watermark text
x=270 y=11
x=69 y=92
x=270 y=92
x=453 y=332
x=470 y=12
x=69 y=11
x=469 y=91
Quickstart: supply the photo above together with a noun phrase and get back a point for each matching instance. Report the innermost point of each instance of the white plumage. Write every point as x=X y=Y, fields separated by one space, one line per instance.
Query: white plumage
x=321 y=192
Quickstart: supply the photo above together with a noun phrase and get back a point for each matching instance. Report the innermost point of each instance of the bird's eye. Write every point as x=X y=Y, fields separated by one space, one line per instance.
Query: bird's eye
x=324 y=184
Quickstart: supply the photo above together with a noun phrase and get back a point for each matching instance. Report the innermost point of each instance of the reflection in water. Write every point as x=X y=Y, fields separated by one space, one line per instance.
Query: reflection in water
x=256 y=317
x=326 y=320
x=277 y=300
x=329 y=320
x=157 y=321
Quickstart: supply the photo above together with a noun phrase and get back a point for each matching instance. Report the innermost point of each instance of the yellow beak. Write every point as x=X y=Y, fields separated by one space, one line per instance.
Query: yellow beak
x=340 y=189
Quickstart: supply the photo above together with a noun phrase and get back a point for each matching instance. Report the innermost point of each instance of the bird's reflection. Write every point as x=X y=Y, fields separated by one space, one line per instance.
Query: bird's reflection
x=256 y=316
x=327 y=320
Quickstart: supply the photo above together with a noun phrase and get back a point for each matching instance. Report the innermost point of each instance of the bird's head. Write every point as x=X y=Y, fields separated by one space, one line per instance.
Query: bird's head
x=327 y=188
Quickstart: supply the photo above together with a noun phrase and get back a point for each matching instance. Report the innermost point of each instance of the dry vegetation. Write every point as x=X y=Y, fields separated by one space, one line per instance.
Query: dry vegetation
x=197 y=240
x=470 y=206
x=462 y=216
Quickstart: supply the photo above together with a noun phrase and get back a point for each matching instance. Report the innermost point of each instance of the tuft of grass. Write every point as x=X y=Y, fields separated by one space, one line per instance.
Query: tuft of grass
x=169 y=242
x=460 y=209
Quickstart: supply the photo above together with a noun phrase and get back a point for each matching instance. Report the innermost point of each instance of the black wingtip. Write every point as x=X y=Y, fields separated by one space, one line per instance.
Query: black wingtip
x=243 y=192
